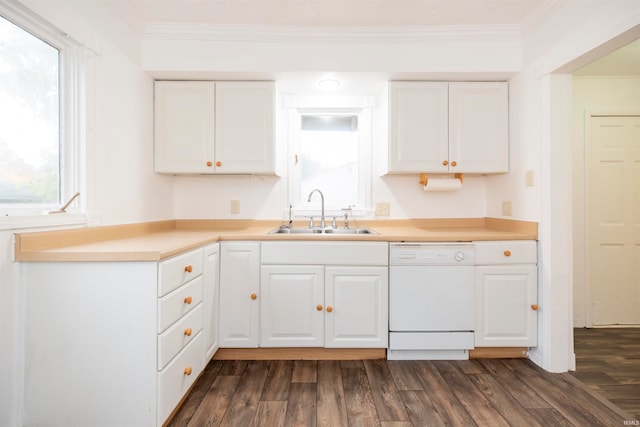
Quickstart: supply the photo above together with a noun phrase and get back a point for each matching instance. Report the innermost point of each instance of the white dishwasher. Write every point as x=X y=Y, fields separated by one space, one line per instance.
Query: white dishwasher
x=431 y=301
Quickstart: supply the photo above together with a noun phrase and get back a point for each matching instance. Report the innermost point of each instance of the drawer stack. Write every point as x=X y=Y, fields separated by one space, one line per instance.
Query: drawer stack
x=180 y=320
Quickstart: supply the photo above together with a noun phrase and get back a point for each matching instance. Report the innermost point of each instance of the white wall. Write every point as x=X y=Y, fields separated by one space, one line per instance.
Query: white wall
x=612 y=95
x=524 y=154
x=121 y=187
x=265 y=197
x=560 y=42
x=201 y=52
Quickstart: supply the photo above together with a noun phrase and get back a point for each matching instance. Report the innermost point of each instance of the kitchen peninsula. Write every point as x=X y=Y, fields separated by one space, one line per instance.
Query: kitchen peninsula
x=154 y=302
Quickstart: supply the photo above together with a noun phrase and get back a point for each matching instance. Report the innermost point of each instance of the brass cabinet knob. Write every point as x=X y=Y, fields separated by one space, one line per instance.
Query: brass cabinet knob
x=534 y=307
x=329 y=309
x=254 y=296
x=218 y=163
x=188 y=370
x=209 y=164
x=188 y=268
x=445 y=163
x=188 y=332
x=319 y=307
x=507 y=253
x=454 y=164
x=188 y=300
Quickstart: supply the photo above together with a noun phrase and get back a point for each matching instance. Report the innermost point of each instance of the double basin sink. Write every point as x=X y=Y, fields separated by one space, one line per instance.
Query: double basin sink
x=286 y=230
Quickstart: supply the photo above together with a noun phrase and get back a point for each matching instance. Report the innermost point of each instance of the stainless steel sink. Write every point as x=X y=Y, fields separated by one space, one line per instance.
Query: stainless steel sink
x=349 y=231
x=284 y=230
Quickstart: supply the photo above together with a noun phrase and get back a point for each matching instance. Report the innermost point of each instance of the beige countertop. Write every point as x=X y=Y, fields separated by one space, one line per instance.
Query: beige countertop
x=159 y=240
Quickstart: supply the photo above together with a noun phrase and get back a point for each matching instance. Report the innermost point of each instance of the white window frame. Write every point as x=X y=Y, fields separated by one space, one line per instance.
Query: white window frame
x=72 y=93
x=363 y=109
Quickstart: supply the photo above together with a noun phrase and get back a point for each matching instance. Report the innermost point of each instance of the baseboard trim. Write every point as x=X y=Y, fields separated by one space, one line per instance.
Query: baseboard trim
x=300 y=353
x=499 y=353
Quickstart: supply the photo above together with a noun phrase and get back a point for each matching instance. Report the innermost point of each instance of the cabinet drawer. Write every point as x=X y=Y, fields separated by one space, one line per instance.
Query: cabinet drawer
x=171 y=341
x=178 y=303
x=178 y=270
x=174 y=380
x=506 y=252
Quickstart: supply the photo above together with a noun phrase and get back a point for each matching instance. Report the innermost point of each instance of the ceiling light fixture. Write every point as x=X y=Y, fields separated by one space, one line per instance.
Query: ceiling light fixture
x=329 y=84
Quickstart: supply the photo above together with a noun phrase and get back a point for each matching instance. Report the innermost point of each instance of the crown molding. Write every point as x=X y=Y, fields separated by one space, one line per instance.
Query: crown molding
x=282 y=34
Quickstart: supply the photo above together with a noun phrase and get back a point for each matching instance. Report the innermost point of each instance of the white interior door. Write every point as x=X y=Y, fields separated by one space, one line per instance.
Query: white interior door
x=613 y=220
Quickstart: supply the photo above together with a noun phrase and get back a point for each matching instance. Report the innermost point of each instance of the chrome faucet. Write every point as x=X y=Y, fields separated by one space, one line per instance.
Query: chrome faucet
x=322 y=201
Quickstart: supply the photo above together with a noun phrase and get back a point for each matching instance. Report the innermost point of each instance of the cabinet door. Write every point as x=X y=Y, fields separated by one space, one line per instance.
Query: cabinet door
x=479 y=127
x=356 y=313
x=245 y=127
x=184 y=127
x=292 y=306
x=418 y=132
x=506 y=310
x=210 y=300
x=239 y=293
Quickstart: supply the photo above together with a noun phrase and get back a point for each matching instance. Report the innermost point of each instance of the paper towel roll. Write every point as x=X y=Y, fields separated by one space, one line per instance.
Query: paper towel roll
x=442 y=184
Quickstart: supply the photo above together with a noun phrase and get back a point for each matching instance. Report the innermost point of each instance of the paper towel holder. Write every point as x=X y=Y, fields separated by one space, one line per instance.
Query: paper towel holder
x=424 y=178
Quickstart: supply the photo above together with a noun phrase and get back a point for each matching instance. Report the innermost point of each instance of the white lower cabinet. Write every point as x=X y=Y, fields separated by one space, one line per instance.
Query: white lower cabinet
x=359 y=299
x=210 y=300
x=176 y=379
x=292 y=306
x=324 y=295
x=318 y=306
x=112 y=343
x=239 y=294
x=506 y=294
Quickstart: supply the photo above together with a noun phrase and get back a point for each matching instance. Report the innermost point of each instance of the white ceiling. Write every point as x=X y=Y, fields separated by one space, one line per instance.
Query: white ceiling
x=346 y=13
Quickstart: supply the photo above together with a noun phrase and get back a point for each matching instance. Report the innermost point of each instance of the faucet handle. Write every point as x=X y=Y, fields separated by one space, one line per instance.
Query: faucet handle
x=346 y=217
x=334 y=223
x=311 y=224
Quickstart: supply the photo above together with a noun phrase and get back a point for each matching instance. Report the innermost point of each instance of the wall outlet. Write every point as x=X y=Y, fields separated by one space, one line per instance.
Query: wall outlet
x=529 y=178
x=507 y=208
x=235 y=206
x=382 y=209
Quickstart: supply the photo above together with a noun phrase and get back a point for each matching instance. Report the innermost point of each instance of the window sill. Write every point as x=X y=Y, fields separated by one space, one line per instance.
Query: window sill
x=41 y=221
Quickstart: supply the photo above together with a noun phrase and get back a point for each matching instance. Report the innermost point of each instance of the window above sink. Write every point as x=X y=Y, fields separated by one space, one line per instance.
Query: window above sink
x=330 y=149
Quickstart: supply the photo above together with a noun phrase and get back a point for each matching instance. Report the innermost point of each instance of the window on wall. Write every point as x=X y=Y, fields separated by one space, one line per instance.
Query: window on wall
x=331 y=153
x=29 y=107
x=41 y=100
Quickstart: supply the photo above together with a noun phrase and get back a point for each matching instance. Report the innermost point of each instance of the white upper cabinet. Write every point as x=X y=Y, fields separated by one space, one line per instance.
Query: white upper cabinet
x=444 y=127
x=214 y=127
x=184 y=127
x=245 y=127
x=479 y=127
x=418 y=127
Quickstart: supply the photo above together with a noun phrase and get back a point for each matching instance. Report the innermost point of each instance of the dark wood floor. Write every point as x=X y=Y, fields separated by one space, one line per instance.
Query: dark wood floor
x=489 y=392
x=608 y=361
